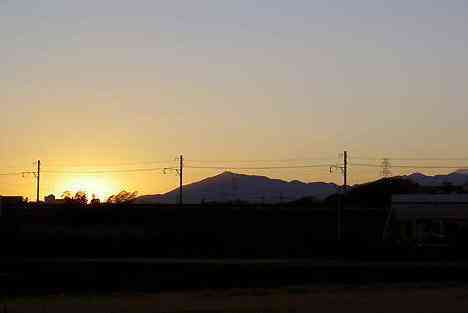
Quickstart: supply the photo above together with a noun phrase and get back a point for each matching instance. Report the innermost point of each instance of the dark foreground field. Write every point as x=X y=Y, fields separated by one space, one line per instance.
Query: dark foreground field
x=427 y=298
x=220 y=261
x=19 y=277
x=165 y=285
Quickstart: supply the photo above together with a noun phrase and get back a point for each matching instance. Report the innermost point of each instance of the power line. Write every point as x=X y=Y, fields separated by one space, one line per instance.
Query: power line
x=228 y=167
x=258 y=168
x=430 y=167
x=263 y=160
x=16 y=173
x=407 y=159
x=153 y=169
x=365 y=165
x=108 y=164
x=412 y=166
x=429 y=159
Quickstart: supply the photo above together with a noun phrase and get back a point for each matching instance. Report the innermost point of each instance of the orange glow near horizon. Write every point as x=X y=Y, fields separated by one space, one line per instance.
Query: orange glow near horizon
x=102 y=188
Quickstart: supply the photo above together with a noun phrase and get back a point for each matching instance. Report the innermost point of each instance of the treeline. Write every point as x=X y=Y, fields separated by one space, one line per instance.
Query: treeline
x=81 y=198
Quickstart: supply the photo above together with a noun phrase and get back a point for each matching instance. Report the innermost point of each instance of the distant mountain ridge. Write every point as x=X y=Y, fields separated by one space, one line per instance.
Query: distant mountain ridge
x=230 y=186
x=457 y=178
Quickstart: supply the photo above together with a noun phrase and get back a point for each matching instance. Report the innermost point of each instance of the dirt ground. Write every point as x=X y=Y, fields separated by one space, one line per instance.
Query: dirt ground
x=373 y=299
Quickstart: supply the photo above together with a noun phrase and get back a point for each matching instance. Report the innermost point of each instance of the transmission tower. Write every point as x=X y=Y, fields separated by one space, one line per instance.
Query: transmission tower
x=386 y=168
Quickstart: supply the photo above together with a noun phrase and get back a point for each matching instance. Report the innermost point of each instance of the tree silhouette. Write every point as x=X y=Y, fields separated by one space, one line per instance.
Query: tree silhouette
x=67 y=195
x=123 y=197
x=81 y=197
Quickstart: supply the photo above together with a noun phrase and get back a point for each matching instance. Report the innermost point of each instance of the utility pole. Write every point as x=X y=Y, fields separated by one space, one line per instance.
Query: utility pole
x=339 y=213
x=387 y=173
x=181 y=179
x=341 y=205
x=345 y=170
x=179 y=172
x=38 y=180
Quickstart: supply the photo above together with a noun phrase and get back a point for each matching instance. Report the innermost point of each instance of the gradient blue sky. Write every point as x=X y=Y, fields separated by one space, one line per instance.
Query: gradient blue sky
x=85 y=82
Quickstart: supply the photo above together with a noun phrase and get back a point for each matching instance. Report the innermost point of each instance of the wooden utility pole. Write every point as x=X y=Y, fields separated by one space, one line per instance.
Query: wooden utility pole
x=341 y=205
x=38 y=181
x=345 y=171
x=181 y=179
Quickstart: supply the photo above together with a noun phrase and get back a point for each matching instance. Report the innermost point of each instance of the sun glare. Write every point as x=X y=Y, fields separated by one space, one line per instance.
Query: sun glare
x=100 y=187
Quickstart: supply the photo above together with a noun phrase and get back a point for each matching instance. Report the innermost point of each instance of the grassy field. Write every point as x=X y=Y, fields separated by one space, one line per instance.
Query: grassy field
x=399 y=298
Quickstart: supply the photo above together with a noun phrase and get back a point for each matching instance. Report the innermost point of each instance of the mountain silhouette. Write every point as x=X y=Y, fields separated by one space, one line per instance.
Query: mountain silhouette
x=228 y=187
x=457 y=178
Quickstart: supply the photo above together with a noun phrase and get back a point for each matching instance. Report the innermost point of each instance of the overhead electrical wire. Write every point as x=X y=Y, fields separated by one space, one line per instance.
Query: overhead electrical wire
x=214 y=165
x=411 y=166
x=406 y=159
x=136 y=170
x=16 y=173
x=265 y=160
x=55 y=165
x=257 y=168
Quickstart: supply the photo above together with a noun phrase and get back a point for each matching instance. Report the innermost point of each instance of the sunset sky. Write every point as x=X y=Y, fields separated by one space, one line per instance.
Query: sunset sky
x=95 y=85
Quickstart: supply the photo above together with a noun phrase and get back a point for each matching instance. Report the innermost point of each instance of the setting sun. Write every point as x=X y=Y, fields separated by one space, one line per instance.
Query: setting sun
x=102 y=188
